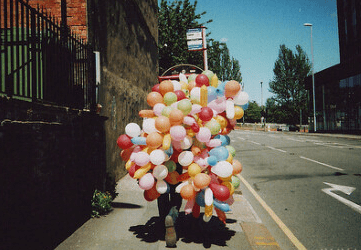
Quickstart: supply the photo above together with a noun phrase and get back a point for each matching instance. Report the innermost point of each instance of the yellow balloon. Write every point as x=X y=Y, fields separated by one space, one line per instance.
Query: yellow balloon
x=230 y=158
x=142 y=171
x=190 y=132
x=222 y=121
x=229 y=186
x=238 y=112
x=194 y=169
x=166 y=142
x=129 y=164
x=228 y=178
x=214 y=81
x=204 y=96
x=208 y=210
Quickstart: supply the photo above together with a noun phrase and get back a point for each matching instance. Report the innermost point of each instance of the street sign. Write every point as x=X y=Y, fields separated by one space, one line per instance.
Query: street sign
x=195 y=39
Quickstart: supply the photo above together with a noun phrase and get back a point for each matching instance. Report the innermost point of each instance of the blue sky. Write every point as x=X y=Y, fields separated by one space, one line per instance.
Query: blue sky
x=254 y=31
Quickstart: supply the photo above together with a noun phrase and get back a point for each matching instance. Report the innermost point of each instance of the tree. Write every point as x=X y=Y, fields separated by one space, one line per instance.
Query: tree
x=253 y=113
x=288 y=84
x=174 y=19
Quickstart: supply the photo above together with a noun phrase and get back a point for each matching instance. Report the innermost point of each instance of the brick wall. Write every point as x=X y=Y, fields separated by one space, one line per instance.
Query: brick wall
x=76 y=13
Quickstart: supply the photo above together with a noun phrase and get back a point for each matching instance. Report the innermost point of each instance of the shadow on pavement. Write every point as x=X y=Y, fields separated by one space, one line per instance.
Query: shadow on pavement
x=188 y=230
x=125 y=205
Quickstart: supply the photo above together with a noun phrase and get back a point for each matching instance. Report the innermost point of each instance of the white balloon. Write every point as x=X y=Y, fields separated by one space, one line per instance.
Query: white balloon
x=185 y=158
x=196 y=95
x=141 y=159
x=161 y=187
x=206 y=218
x=230 y=109
x=182 y=77
x=149 y=125
x=157 y=156
x=158 y=108
x=179 y=187
x=132 y=130
x=176 y=85
x=187 y=142
x=160 y=172
x=196 y=108
x=208 y=196
x=241 y=98
x=223 y=169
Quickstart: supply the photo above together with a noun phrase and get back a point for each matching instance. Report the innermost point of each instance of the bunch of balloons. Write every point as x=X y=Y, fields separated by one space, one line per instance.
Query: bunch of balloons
x=188 y=124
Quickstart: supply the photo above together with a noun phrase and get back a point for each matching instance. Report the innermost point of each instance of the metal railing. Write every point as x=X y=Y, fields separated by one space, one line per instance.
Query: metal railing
x=41 y=61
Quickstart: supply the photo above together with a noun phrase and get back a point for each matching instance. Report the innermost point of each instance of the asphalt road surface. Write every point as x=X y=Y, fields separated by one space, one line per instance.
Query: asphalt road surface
x=306 y=189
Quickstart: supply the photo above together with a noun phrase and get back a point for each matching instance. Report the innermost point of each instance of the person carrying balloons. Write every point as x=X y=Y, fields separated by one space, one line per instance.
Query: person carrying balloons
x=183 y=151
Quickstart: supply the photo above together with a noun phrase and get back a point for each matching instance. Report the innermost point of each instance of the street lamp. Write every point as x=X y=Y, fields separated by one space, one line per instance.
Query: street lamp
x=313 y=81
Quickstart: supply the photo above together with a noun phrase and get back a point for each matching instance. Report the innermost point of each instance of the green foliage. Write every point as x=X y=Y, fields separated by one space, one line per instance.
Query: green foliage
x=288 y=85
x=174 y=19
x=101 y=203
x=253 y=113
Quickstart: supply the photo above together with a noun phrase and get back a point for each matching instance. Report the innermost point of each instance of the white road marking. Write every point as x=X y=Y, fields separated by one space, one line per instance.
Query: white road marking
x=257 y=143
x=276 y=149
x=321 y=163
x=346 y=190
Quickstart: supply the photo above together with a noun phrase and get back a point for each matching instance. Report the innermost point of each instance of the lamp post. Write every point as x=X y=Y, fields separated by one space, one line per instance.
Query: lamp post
x=313 y=81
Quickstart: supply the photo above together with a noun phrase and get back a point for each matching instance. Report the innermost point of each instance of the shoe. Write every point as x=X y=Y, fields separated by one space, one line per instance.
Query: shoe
x=170 y=234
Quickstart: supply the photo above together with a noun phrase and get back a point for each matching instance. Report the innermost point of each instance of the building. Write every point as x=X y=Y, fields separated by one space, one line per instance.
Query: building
x=338 y=88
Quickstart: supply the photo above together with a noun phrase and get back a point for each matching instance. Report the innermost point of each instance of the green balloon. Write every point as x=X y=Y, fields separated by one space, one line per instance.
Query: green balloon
x=235 y=181
x=166 y=110
x=169 y=98
x=170 y=165
x=213 y=126
x=231 y=150
x=192 y=77
x=185 y=106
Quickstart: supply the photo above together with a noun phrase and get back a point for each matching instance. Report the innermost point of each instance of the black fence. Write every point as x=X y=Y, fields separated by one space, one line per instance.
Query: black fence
x=41 y=61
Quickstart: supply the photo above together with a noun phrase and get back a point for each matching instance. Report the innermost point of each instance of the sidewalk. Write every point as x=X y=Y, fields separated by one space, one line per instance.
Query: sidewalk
x=133 y=225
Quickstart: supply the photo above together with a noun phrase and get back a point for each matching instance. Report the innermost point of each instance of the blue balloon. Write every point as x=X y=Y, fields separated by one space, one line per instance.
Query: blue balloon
x=139 y=140
x=200 y=199
x=245 y=106
x=221 y=205
x=212 y=160
x=225 y=141
x=212 y=93
x=169 y=151
x=221 y=153
x=220 y=89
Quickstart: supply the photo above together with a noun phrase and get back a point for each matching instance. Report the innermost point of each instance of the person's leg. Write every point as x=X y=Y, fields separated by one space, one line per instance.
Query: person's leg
x=163 y=205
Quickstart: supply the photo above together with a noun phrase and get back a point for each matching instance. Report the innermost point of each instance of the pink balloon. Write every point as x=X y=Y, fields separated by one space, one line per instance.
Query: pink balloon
x=178 y=132
x=214 y=143
x=141 y=158
x=188 y=120
x=177 y=145
x=158 y=108
x=147 y=181
x=219 y=105
x=196 y=108
x=189 y=206
x=204 y=134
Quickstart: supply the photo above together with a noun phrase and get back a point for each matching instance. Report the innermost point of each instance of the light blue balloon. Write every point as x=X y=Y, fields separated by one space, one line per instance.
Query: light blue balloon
x=139 y=140
x=212 y=93
x=212 y=160
x=221 y=153
x=220 y=89
x=221 y=205
x=245 y=106
x=225 y=141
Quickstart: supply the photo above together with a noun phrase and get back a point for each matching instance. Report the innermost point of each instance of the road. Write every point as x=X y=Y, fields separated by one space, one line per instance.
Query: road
x=310 y=186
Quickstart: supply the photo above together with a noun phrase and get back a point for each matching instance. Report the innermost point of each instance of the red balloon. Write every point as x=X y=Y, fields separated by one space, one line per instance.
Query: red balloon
x=201 y=80
x=124 y=142
x=220 y=192
x=133 y=169
x=156 y=88
x=151 y=194
x=206 y=114
x=180 y=95
x=195 y=127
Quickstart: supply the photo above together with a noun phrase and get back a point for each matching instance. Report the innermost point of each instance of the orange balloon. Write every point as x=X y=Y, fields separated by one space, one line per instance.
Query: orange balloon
x=176 y=117
x=154 y=140
x=162 y=123
x=201 y=180
x=165 y=87
x=231 y=88
x=187 y=192
x=195 y=150
x=172 y=178
x=183 y=177
x=237 y=167
x=153 y=98
x=146 y=113
x=191 y=85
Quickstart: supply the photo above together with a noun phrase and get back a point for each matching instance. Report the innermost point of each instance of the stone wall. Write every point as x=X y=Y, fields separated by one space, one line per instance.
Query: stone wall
x=52 y=160
x=126 y=35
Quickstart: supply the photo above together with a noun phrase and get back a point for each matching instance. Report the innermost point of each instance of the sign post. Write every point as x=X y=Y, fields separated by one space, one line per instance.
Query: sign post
x=196 y=41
